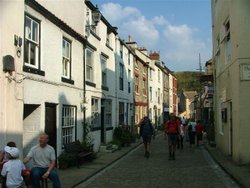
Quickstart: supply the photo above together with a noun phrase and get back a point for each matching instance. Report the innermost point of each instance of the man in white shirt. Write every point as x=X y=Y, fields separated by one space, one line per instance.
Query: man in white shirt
x=44 y=161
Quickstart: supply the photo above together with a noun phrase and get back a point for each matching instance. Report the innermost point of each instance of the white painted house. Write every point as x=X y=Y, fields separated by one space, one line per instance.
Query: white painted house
x=53 y=70
x=124 y=84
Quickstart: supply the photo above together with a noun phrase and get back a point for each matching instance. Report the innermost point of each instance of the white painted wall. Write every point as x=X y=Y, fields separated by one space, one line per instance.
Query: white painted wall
x=11 y=92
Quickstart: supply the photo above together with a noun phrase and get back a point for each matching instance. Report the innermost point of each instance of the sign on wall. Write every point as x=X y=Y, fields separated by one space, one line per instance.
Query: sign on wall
x=245 y=72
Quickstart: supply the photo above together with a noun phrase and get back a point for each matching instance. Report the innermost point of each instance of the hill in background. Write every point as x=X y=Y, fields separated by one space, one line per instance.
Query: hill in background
x=187 y=81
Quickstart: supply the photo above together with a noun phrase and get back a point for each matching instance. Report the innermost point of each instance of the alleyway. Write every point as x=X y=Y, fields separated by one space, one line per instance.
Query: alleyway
x=192 y=168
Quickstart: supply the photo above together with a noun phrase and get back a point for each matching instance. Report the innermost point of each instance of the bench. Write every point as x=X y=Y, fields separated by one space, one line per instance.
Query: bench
x=78 y=151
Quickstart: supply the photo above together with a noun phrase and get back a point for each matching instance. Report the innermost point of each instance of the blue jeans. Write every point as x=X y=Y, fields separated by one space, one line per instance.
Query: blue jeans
x=37 y=173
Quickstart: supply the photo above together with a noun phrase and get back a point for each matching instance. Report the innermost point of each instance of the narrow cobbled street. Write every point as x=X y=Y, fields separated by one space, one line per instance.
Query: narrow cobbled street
x=193 y=167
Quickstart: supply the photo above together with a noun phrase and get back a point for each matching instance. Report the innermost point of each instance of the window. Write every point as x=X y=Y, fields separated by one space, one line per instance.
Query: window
x=108 y=39
x=129 y=87
x=150 y=74
x=66 y=62
x=159 y=97
x=121 y=113
x=144 y=87
x=89 y=66
x=104 y=71
x=95 y=116
x=129 y=74
x=31 y=47
x=108 y=112
x=121 y=50
x=129 y=58
x=227 y=42
x=121 y=76
x=136 y=84
x=150 y=94
x=68 y=124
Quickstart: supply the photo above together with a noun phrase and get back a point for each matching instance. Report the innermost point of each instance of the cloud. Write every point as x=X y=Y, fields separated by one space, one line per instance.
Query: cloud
x=184 y=47
x=115 y=13
x=179 y=45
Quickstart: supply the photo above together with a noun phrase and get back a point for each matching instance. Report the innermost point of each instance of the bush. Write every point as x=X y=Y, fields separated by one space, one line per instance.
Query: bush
x=123 y=135
x=66 y=160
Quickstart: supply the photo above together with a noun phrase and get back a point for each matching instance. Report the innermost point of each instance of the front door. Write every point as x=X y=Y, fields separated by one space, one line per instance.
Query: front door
x=102 y=121
x=50 y=124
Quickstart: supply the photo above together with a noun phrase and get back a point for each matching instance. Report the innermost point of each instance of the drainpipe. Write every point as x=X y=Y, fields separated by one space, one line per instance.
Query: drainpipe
x=84 y=94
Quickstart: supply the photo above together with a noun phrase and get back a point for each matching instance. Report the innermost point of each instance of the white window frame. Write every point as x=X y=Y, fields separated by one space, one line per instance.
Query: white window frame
x=66 y=58
x=108 y=113
x=68 y=124
x=89 y=65
x=104 y=71
x=32 y=37
x=95 y=113
x=121 y=77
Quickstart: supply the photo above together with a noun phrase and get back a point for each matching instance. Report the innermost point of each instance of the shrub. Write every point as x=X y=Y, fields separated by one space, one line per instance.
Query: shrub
x=66 y=160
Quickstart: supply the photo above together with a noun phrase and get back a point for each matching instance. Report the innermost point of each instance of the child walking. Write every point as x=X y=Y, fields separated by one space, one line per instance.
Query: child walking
x=12 y=169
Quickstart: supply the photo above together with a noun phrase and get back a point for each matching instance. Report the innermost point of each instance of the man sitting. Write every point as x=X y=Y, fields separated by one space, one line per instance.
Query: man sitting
x=44 y=161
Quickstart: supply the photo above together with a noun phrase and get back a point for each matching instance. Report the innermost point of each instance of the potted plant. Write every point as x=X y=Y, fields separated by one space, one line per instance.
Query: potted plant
x=65 y=160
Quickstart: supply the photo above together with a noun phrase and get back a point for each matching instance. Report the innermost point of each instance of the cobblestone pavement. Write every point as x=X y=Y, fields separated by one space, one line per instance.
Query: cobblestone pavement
x=193 y=167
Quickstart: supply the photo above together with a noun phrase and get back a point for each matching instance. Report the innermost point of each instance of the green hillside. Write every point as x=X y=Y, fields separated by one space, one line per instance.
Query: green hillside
x=188 y=81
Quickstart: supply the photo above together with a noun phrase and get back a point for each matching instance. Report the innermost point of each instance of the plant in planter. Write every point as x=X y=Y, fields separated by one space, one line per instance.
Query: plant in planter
x=87 y=143
x=66 y=160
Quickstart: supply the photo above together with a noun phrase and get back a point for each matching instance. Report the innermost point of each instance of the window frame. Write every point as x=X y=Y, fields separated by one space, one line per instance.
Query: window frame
x=104 y=71
x=68 y=59
x=72 y=117
x=27 y=67
x=95 y=112
x=121 y=76
x=91 y=65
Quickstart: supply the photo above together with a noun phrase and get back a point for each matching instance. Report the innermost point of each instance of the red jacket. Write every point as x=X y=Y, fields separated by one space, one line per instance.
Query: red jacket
x=172 y=127
x=199 y=128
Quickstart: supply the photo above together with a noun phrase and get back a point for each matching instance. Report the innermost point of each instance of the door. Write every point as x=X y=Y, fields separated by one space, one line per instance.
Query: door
x=231 y=130
x=50 y=124
x=102 y=121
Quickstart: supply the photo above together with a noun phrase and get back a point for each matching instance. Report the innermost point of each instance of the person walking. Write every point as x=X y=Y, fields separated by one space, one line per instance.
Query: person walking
x=182 y=135
x=172 y=129
x=191 y=132
x=199 y=131
x=44 y=161
x=12 y=170
x=146 y=132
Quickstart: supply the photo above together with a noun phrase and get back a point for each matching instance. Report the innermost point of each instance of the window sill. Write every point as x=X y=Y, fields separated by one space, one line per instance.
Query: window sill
x=66 y=80
x=109 y=47
x=33 y=70
x=105 y=88
x=89 y=83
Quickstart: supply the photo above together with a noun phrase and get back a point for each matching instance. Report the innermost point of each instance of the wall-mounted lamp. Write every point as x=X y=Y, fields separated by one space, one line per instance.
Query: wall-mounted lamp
x=84 y=104
x=96 y=17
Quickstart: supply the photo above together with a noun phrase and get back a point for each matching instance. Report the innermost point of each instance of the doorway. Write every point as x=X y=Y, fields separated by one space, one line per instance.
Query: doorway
x=50 y=124
x=102 y=121
x=230 y=129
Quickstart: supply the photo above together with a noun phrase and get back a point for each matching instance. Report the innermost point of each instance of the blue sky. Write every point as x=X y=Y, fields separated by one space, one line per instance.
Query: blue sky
x=179 y=29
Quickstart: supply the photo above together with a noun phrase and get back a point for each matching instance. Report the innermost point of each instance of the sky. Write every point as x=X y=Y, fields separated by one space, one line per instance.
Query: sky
x=179 y=30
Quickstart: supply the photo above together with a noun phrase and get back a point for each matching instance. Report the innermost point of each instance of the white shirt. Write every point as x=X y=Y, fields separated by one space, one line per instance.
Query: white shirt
x=42 y=157
x=13 y=171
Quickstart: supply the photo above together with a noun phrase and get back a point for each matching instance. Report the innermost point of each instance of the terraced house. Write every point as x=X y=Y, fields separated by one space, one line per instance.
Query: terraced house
x=68 y=72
